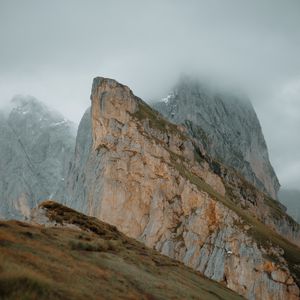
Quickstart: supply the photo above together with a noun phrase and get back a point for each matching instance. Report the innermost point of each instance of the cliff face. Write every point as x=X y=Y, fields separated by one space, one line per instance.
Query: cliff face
x=228 y=128
x=135 y=170
x=36 y=145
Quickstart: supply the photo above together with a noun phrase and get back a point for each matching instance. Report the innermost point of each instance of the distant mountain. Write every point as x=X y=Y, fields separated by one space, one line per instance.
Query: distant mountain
x=36 y=144
x=226 y=125
x=291 y=199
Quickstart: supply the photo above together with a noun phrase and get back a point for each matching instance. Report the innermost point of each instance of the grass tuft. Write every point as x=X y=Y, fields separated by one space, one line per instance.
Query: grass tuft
x=98 y=245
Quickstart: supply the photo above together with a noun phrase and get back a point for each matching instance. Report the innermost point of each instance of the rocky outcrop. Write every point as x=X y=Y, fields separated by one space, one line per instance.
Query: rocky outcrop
x=145 y=175
x=226 y=125
x=36 y=145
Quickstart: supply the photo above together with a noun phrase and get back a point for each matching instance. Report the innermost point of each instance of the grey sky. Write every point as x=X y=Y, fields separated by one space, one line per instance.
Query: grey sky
x=53 y=49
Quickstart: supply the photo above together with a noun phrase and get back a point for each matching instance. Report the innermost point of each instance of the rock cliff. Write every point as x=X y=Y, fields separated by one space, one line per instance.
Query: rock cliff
x=36 y=145
x=226 y=125
x=137 y=171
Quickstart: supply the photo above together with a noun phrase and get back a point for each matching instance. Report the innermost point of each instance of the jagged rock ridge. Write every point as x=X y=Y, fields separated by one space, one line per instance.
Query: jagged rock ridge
x=226 y=125
x=145 y=175
x=36 y=145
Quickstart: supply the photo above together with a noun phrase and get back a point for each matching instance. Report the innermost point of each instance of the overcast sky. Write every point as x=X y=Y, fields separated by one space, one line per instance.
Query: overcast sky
x=53 y=49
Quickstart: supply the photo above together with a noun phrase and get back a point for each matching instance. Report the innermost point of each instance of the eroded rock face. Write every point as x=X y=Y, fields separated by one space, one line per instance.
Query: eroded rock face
x=226 y=125
x=145 y=176
x=36 y=145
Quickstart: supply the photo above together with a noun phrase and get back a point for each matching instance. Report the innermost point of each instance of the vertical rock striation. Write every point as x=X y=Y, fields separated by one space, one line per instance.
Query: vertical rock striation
x=226 y=125
x=135 y=170
x=36 y=145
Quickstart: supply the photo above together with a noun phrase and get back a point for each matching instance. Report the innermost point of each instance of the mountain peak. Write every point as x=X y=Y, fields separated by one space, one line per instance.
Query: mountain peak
x=107 y=84
x=36 y=144
x=22 y=100
x=233 y=134
x=24 y=105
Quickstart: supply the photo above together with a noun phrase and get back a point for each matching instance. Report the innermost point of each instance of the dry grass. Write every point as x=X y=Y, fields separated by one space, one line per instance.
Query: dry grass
x=97 y=262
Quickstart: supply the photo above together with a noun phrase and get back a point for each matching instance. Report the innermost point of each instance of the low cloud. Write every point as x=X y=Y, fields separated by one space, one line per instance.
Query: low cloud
x=53 y=49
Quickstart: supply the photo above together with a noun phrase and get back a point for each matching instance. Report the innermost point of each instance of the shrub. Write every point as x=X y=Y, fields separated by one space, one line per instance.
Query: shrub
x=98 y=245
x=28 y=286
x=113 y=245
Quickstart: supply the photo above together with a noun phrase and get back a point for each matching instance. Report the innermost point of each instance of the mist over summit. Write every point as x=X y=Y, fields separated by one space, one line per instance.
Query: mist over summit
x=253 y=46
x=227 y=126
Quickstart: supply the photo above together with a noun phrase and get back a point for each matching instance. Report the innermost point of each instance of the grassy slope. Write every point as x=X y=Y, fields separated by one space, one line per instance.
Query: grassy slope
x=97 y=262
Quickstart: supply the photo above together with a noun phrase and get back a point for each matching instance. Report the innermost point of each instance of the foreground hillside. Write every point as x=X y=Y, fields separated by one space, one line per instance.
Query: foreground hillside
x=89 y=259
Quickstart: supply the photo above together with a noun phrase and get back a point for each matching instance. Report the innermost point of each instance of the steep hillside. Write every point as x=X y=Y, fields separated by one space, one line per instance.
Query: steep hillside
x=79 y=257
x=291 y=199
x=227 y=127
x=36 y=145
x=137 y=171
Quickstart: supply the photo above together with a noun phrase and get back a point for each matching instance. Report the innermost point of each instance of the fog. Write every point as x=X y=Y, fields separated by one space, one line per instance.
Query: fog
x=53 y=49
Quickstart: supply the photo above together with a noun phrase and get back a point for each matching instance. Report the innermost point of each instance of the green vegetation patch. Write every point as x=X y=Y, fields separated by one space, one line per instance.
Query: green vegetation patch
x=63 y=214
x=27 y=286
x=155 y=119
x=98 y=245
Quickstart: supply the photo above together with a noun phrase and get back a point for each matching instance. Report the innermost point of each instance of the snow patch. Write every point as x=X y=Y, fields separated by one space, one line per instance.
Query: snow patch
x=168 y=98
x=59 y=123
